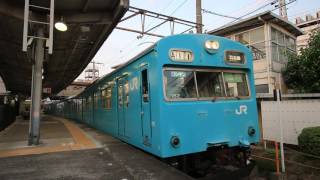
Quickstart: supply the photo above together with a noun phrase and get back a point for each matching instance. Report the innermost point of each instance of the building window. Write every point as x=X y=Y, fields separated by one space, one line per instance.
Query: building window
x=106 y=95
x=262 y=88
x=255 y=40
x=281 y=46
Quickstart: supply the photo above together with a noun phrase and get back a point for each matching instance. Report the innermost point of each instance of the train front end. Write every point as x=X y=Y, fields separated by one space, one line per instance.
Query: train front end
x=208 y=98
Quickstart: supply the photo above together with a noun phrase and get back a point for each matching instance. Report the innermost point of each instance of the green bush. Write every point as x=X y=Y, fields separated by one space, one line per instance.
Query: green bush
x=309 y=140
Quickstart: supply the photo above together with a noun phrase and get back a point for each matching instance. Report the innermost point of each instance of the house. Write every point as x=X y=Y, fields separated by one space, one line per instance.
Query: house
x=271 y=38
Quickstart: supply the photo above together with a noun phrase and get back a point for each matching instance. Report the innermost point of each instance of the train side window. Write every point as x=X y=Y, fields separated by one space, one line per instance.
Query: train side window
x=96 y=98
x=126 y=93
x=145 y=88
x=120 y=95
x=106 y=98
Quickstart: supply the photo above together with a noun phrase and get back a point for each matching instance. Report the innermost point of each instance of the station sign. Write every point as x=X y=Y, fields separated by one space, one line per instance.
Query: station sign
x=181 y=55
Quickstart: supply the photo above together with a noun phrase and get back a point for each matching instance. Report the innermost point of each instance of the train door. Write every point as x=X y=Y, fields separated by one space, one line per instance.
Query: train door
x=123 y=104
x=145 y=107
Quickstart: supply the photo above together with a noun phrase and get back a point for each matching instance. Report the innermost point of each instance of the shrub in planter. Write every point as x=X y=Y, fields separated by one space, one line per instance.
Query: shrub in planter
x=309 y=140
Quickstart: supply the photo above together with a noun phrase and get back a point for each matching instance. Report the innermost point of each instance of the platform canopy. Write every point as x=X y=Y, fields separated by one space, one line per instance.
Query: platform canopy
x=90 y=22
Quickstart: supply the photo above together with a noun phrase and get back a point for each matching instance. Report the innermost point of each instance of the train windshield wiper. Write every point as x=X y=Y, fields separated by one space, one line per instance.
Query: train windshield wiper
x=214 y=98
x=238 y=97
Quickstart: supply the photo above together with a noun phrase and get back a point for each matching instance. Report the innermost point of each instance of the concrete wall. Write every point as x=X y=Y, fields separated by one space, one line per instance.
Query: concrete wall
x=295 y=115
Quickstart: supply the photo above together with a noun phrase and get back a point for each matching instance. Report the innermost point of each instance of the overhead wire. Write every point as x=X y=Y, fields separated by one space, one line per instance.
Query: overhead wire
x=251 y=12
x=290 y=2
x=154 y=30
x=174 y=11
x=132 y=42
x=217 y=14
x=181 y=4
x=246 y=7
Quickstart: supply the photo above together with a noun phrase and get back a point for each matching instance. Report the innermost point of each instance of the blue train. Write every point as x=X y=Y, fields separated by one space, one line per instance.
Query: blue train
x=185 y=95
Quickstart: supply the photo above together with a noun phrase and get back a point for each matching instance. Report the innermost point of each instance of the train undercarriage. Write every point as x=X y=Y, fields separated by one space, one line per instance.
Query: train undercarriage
x=215 y=163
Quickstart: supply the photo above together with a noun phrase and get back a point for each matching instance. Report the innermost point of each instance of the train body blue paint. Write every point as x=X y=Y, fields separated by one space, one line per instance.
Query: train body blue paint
x=183 y=95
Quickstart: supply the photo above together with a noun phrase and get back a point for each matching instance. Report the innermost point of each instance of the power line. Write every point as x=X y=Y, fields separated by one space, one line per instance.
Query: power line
x=251 y=12
x=131 y=43
x=245 y=8
x=218 y=14
x=174 y=11
x=166 y=18
x=277 y=7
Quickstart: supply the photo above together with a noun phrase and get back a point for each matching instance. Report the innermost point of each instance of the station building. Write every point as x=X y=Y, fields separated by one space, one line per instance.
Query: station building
x=271 y=38
x=308 y=25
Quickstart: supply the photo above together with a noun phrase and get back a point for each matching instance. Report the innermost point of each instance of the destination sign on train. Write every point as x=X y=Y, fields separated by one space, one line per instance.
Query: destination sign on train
x=235 y=57
x=181 y=55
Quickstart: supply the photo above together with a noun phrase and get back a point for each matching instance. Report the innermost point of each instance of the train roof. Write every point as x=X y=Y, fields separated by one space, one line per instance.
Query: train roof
x=146 y=51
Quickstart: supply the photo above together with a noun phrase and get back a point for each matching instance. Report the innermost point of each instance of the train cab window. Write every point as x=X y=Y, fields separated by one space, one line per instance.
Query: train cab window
x=179 y=84
x=236 y=84
x=209 y=84
x=145 y=87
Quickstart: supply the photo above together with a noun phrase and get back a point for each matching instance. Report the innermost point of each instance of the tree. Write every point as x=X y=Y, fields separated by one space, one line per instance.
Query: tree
x=302 y=72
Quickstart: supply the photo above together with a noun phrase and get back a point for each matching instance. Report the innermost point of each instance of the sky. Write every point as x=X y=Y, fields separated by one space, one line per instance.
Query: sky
x=122 y=45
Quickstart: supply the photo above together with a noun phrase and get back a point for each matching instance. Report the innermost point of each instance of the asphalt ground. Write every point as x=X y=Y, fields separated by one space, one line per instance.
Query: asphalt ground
x=110 y=158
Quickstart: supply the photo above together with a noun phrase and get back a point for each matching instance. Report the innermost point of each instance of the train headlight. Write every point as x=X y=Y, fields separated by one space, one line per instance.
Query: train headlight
x=175 y=141
x=251 y=131
x=212 y=46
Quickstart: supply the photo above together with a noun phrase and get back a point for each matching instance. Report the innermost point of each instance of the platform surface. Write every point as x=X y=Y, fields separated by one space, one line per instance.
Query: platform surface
x=85 y=154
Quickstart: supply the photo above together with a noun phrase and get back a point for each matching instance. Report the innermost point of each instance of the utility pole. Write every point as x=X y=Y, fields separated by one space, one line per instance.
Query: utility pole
x=283 y=9
x=199 y=16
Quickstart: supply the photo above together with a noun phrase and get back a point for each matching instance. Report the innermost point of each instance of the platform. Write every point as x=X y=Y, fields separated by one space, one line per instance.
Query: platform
x=75 y=151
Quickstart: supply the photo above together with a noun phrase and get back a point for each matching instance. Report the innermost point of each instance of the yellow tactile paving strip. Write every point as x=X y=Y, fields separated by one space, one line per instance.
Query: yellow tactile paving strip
x=81 y=142
x=79 y=137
